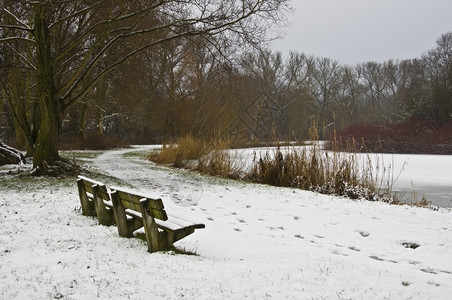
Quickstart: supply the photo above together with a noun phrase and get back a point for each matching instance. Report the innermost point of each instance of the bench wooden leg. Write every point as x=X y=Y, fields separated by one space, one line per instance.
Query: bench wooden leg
x=88 y=208
x=104 y=215
x=181 y=233
x=156 y=240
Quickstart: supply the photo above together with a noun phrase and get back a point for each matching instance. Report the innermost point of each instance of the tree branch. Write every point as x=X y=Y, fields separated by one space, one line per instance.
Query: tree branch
x=24 y=25
x=15 y=38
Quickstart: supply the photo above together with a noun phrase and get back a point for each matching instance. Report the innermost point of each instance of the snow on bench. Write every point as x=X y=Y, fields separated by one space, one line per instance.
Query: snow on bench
x=161 y=230
x=131 y=211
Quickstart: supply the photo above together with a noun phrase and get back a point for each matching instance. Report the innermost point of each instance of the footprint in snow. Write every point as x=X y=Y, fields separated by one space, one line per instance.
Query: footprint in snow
x=276 y=228
x=410 y=245
x=430 y=271
x=338 y=253
x=381 y=259
x=376 y=258
x=364 y=233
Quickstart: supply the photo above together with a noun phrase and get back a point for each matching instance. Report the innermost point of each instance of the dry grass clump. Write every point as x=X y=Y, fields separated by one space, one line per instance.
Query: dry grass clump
x=218 y=161
x=212 y=158
x=323 y=172
x=177 y=154
x=327 y=172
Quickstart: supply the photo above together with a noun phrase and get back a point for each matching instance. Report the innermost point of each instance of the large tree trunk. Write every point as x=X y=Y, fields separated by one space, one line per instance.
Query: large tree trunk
x=46 y=150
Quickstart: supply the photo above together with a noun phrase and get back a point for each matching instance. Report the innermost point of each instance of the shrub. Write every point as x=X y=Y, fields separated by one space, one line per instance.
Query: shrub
x=412 y=137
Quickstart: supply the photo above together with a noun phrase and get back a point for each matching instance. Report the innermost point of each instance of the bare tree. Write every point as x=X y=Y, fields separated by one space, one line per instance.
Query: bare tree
x=349 y=105
x=77 y=42
x=299 y=75
x=373 y=79
x=438 y=67
x=325 y=86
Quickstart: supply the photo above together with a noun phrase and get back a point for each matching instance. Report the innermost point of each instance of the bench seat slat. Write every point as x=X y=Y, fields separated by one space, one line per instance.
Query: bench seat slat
x=175 y=226
x=172 y=225
x=182 y=222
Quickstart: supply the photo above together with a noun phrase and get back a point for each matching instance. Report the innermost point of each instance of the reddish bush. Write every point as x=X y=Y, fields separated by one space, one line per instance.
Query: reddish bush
x=411 y=137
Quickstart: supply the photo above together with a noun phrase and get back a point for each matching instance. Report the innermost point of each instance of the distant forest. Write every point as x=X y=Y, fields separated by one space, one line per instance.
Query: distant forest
x=189 y=86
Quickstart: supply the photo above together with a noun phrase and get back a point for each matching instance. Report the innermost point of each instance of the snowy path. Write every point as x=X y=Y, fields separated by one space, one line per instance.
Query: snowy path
x=149 y=178
x=260 y=242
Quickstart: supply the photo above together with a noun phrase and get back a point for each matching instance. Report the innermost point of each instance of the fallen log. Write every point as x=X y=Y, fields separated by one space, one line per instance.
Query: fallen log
x=9 y=155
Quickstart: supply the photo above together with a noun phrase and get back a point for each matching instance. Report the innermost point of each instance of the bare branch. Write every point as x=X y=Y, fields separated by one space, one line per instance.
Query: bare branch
x=16 y=27
x=15 y=38
x=24 y=25
x=75 y=14
x=26 y=60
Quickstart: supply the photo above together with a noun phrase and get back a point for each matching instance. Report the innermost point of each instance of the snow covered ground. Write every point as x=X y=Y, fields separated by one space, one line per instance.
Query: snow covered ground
x=260 y=242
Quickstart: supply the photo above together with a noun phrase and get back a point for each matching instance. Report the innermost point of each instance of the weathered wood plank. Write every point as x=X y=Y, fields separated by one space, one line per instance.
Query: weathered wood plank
x=132 y=201
x=131 y=211
x=97 y=196
x=87 y=204
x=105 y=215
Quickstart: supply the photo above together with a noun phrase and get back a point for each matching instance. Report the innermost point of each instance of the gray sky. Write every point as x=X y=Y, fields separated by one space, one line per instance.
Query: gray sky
x=354 y=31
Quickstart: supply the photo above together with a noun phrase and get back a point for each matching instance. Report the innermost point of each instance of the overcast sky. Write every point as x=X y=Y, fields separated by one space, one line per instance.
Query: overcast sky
x=355 y=31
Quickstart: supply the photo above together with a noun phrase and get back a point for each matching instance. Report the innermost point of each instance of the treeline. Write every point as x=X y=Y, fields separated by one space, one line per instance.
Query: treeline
x=186 y=86
x=62 y=62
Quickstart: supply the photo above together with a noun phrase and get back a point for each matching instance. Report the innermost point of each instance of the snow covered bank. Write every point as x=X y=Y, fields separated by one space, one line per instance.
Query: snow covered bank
x=260 y=242
x=413 y=175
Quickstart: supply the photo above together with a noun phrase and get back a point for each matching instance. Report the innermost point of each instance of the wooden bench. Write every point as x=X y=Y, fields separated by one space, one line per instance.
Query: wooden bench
x=133 y=211
x=95 y=200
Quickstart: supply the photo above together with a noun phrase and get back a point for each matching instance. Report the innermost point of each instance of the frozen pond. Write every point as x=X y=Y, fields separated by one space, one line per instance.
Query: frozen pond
x=424 y=175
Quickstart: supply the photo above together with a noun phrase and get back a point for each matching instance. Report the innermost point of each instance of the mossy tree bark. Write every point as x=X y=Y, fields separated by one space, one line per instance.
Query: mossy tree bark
x=46 y=149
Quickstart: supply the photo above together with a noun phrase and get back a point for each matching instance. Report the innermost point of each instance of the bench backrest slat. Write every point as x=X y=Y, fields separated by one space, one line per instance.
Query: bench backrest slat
x=103 y=193
x=102 y=189
x=88 y=187
x=127 y=201
x=132 y=201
